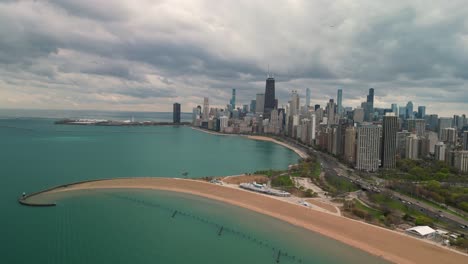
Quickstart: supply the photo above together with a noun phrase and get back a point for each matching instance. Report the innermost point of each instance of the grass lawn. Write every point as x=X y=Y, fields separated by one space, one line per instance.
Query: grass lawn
x=375 y=213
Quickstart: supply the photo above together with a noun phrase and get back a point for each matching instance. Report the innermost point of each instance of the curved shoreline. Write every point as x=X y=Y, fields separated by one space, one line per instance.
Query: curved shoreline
x=299 y=152
x=389 y=245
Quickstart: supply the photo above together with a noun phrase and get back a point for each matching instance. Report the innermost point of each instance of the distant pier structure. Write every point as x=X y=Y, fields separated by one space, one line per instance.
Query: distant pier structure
x=97 y=122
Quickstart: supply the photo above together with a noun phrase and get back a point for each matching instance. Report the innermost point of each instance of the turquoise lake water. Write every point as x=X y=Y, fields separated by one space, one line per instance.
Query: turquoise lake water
x=136 y=226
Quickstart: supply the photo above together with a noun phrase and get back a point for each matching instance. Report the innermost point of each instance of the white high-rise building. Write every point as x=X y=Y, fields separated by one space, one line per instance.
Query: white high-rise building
x=461 y=160
x=412 y=147
x=274 y=124
x=368 y=148
x=195 y=115
x=223 y=123
x=313 y=128
x=439 y=151
x=294 y=104
x=401 y=143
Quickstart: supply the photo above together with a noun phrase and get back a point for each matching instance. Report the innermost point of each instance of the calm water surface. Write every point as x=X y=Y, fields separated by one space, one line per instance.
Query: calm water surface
x=133 y=226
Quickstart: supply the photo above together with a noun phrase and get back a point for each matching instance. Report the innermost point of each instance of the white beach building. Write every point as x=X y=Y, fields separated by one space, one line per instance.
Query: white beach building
x=421 y=231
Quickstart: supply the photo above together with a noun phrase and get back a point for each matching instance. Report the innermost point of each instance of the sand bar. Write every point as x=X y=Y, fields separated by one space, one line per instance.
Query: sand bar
x=387 y=244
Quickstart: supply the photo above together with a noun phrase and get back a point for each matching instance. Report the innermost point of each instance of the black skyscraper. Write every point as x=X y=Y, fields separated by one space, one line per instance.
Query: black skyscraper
x=176 y=113
x=369 y=110
x=269 y=96
x=370 y=96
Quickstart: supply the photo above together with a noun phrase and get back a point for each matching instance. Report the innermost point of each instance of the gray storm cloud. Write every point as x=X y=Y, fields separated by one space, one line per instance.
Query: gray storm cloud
x=144 y=55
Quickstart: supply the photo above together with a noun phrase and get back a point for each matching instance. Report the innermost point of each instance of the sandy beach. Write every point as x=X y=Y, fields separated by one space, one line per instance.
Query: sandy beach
x=387 y=244
x=299 y=152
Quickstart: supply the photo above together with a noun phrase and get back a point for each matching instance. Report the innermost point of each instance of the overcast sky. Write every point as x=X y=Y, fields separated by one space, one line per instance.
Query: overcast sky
x=143 y=55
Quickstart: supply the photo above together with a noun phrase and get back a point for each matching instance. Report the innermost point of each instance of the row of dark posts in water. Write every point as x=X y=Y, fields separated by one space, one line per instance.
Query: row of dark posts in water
x=221 y=228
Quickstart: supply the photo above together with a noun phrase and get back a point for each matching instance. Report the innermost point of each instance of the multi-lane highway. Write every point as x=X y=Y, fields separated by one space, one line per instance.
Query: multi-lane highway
x=331 y=166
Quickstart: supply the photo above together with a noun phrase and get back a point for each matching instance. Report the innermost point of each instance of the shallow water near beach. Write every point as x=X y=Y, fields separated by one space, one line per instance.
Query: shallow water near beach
x=136 y=226
x=148 y=226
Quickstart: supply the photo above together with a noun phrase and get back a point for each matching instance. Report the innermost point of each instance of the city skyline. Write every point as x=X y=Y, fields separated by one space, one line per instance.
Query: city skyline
x=87 y=55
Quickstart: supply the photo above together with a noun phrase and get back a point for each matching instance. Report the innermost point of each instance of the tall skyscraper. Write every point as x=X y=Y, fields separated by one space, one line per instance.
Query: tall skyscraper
x=402 y=112
x=176 y=113
x=260 y=103
x=409 y=110
x=307 y=97
x=421 y=111
x=369 y=106
x=316 y=107
x=331 y=108
x=368 y=148
x=206 y=109
x=269 y=96
x=294 y=104
x=253 y=106
x=370 y=96
x=233 y=99
x=389 y=137
x=340 y=102
x=395 y=109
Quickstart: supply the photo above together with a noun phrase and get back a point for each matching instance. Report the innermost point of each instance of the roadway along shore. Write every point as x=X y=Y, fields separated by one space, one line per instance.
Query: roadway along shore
x=390 y=245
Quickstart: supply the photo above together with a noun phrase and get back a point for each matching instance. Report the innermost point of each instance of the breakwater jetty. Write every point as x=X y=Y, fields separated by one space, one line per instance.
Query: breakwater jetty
x=100 y=122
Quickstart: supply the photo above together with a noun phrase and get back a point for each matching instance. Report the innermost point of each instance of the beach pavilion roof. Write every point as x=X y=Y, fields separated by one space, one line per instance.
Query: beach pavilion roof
x=421 y=230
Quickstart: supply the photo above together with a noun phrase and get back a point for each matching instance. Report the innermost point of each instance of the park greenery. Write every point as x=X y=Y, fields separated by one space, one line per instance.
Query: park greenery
x=433 y=181
x=440 y=194
x=382 y=209
x=282 y=181
x=424 y=170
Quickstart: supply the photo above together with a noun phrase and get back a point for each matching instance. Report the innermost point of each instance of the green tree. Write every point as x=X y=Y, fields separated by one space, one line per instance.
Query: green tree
x=423 y=220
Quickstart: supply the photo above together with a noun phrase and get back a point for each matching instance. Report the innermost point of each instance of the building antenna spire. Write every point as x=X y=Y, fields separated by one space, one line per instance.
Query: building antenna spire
x=268 y=75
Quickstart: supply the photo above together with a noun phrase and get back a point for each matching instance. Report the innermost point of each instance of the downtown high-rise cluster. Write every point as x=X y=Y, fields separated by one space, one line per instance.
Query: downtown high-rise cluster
x=366 y=137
